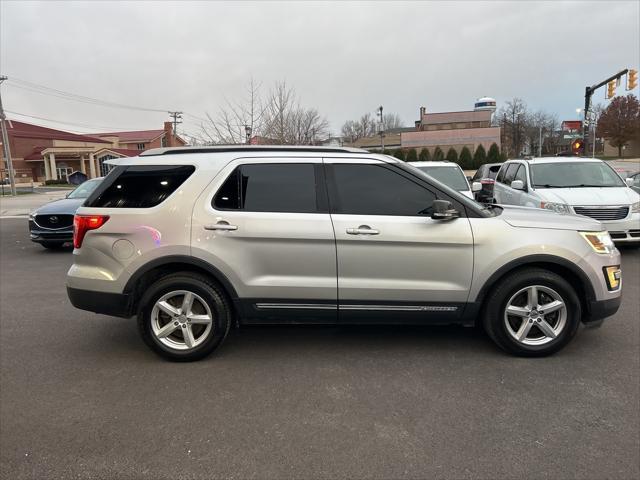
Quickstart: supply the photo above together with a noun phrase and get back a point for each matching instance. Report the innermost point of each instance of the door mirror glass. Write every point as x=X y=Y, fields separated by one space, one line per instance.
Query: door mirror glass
x=517 y=185
x=629 y=181
x=443 y=210
x=476 y=186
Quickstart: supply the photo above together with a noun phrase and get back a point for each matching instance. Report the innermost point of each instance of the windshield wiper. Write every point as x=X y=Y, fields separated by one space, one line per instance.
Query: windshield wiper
x=581 y=185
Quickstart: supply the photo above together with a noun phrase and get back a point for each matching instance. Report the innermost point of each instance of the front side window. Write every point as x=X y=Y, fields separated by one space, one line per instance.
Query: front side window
x=366 y=189
x=450 y=176
x=511 y=173
x=500 y=177
x=574 y=175
x=521 y=174
x=284 y=187
x=140 y=186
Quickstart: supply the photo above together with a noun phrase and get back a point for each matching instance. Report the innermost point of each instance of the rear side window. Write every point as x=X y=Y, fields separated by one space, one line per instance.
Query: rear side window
x=284 y=187
x=139 y=186
x=367 y=189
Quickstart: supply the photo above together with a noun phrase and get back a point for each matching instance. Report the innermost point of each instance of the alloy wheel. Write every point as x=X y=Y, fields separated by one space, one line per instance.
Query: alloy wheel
x=535 y=315
x=181 y=320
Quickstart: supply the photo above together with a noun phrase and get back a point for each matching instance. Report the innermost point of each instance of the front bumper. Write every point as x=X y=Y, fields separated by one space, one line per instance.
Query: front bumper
x=626 y=230
x=40 y=235
x=114 y=304
x=601 y=309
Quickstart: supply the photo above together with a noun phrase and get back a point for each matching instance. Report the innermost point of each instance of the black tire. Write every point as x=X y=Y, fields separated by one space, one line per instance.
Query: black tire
x=496 y=303
x=52 y=245
x=212 y=294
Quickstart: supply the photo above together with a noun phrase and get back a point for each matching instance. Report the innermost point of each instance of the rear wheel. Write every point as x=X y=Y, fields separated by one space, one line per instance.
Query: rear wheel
x=532 y=312
x=184 y=317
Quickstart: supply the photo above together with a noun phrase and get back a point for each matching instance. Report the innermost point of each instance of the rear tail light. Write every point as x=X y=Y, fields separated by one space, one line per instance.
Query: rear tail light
x=487 y=181
x=83 y=223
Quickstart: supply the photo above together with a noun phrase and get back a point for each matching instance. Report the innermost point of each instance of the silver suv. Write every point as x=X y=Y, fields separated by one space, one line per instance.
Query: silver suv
x=193 y=240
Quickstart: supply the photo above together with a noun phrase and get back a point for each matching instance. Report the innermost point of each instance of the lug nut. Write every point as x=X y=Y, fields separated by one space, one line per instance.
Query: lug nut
x=184 y=326
x=175 y=323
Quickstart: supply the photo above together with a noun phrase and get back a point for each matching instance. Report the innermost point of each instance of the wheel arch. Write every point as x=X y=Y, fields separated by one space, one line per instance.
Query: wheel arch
x=565 y=268
x=159 y=267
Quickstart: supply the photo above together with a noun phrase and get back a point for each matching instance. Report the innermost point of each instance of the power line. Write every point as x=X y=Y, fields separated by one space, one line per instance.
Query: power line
x=101 y=127
x=44 y=90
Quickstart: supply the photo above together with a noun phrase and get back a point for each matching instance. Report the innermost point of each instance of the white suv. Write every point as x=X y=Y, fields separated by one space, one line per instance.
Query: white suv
x=583 y=186
x=450 y=174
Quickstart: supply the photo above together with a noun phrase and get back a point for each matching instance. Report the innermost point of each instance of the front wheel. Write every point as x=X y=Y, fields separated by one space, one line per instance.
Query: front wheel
x=184 y=317
x=532 y=313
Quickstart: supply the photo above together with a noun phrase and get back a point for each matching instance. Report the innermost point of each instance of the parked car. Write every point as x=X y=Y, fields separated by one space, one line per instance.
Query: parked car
x=191 y=240
x=635 y=182
x=52 y=224
x=573 y=185
x=450 y=174
x=486 y=175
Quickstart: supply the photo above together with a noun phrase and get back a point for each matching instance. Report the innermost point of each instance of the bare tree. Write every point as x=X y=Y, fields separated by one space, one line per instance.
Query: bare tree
x=237 y=118
x=511 y=119
x=367 y=126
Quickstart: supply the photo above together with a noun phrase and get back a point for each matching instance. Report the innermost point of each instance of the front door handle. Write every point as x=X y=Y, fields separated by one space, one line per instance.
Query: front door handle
x=362 y=230
x=222 y=225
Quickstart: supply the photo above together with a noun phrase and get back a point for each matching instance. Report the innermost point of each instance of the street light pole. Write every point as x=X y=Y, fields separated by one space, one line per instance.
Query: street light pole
x=381 y=129
x=5 y=144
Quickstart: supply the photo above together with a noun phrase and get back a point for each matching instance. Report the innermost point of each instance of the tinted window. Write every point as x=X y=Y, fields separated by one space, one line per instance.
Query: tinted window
x=574 y=174
x=285 y=187
x=450 y=176
x=511 y=173
x=140 y=186
x=493 y=171
x=376 y=190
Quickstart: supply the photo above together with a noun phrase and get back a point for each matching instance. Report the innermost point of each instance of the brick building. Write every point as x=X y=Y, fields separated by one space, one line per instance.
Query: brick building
x=41 y=153
x=445 y=130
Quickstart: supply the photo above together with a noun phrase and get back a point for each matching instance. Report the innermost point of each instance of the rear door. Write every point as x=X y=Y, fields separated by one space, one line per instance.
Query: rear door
x=394 y=262
x=265 y=224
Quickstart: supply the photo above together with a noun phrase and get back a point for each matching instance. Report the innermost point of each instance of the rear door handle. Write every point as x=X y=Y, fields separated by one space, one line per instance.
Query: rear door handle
x=221 y=226
x=362 y=230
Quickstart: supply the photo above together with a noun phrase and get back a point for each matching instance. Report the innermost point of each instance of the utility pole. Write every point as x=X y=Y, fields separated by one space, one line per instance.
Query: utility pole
x=540 y=144
x=588 y=93
x=5 y=144
x=177 y=118
x=381 y=129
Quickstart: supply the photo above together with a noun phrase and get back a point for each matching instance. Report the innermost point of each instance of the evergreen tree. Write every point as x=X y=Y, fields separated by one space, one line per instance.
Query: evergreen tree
x=493 y=156
x=424 y=156
x=399 y=154
x=452 y=155
x=412 y=156
x=438 y=155
x=466 y=160
x=480 y=157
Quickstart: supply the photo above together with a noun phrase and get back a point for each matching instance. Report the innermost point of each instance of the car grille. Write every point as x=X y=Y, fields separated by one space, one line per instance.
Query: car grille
x=54 y=222
x=603 y=214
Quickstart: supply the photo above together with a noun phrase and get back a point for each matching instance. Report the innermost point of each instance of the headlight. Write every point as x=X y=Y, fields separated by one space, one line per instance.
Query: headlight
x=635 y=208
x=600 y=241
x=556 y=207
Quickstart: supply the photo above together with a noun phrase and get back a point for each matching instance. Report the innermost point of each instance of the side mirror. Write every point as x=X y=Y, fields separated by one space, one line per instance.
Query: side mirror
x=629 y=181
x=517 y=185
x=443 y=210
x=476 y=186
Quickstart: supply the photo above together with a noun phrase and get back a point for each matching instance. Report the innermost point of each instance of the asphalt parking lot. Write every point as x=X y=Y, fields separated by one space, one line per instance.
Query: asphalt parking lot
x=82 y=397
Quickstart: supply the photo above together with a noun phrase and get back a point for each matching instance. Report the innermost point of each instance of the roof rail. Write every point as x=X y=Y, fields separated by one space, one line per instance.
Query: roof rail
x=248 y=148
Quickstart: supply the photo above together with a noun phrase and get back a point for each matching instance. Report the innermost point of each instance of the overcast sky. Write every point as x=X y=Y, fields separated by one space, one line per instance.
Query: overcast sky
x=342 y=58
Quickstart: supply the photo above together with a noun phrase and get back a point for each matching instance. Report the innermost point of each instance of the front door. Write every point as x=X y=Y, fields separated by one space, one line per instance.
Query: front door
x=394 y=261
x=265 y=224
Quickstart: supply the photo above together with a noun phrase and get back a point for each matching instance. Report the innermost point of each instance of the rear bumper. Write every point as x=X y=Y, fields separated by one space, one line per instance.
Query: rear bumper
x=601 y=309
x=114 y=304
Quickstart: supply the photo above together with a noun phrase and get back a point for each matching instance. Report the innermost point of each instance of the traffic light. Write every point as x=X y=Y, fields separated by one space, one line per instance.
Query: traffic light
x=632 y=79
x=611 y=89
x=577 y=146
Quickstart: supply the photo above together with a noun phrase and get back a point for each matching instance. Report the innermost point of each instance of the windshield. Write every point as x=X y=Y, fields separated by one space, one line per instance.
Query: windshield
x=450 y=176
x=85 y=189
x=574 y=175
